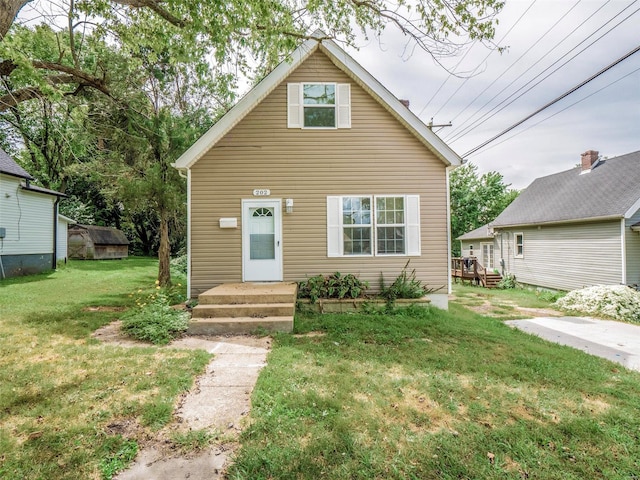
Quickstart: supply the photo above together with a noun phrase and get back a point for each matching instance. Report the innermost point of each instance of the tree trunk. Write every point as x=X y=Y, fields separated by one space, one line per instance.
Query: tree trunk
x=8 y=11
x=164 y=252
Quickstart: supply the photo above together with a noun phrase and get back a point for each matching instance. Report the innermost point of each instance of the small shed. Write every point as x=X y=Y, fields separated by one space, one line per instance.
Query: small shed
x=90 y=242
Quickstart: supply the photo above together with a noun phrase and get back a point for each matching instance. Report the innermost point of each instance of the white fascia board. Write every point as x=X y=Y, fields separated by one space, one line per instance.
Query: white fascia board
x=634 y=208
x=66 y=219
x=245 y=105
x=388 y=100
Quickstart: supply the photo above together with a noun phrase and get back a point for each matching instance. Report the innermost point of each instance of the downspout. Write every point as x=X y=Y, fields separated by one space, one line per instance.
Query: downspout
x=449 y=286
x=54 y=260
x=623 y=252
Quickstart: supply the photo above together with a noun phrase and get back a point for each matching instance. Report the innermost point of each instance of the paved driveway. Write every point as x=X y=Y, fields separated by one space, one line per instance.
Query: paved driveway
x=615 y=341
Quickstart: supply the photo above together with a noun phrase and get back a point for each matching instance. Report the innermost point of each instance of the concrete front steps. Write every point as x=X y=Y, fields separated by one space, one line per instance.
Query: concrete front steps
x=241 y=308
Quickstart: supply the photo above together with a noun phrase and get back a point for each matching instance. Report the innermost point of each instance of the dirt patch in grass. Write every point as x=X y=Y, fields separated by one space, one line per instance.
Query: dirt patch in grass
x=112 y=334
x=104 y=309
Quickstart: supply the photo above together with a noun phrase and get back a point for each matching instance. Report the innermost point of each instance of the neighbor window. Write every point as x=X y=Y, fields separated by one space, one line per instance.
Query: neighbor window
x=373 y=225
x=319 y=105
x=519 y=245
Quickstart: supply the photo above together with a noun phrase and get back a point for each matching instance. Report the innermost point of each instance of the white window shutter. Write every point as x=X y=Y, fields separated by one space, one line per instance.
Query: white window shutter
x=334 y=229
x=294 y=106
x=413 y=224
x=344 y=105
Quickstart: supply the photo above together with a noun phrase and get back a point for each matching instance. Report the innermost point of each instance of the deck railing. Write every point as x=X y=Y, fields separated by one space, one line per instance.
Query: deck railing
x=468 y=268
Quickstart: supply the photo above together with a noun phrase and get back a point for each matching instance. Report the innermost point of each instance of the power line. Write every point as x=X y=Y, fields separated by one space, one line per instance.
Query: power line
x=483 y=61
x=491 y=113
x=560 y=111
x=520 y=58
x=557 y=99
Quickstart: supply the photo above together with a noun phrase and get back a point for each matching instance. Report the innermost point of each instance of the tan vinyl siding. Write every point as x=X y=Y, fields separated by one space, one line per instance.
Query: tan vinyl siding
x=633 y=250
x=376 y=156
x=566 y=257
x=27 y=217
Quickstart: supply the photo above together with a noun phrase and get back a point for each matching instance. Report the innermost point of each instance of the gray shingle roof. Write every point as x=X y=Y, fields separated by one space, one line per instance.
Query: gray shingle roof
x=103 y=235
x=10 y=167
x=609 y=190
x=35 y=188
x=478 y=233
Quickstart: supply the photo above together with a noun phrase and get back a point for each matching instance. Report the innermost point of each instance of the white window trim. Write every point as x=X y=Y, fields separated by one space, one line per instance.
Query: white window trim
x=335 y=229
x=515 y=245
x=295 y=105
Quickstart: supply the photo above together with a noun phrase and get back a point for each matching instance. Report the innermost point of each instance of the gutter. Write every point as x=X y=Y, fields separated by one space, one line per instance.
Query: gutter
x=560 y=222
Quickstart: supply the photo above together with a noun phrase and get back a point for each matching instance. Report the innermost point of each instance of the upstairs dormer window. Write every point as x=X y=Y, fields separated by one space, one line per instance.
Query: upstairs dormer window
x=319 y=105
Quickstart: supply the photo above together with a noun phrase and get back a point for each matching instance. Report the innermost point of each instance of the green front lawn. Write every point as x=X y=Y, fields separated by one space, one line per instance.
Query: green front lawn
x=415 y=394
x=67 y=402
x=425 y=394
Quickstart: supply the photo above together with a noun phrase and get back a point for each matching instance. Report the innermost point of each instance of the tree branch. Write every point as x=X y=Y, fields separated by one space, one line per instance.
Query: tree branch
x=154 y=5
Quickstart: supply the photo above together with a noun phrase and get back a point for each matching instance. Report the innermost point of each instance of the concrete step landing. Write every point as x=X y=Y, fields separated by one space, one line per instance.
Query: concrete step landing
x=241 y=308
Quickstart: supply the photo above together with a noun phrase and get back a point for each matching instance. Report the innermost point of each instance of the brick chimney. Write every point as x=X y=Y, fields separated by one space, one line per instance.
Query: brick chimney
x=405 y=103
x=589 y=159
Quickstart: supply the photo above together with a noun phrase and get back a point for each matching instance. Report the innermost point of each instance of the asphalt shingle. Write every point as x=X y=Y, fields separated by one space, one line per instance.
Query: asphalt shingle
x=610 y=189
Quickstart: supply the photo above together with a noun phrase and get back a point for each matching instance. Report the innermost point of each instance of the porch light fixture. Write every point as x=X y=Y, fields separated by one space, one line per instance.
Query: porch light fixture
x=288 y=205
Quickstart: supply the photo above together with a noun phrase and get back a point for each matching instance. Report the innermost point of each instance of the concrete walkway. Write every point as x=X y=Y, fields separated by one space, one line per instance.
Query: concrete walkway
x=218 y=402
x=615 y=341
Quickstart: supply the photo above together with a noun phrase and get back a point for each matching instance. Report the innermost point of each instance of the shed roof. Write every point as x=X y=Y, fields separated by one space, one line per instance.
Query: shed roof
x=35 y=188
x=477 y=234
x=9 y=166
x=347 y=64
x=610 y=190
x=103 y=235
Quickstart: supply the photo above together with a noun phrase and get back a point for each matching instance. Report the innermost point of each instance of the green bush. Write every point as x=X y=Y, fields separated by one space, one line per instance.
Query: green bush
x=155 y=321
x=406 y=285
x=179 y=264
x=508 y=282
x=332 y=286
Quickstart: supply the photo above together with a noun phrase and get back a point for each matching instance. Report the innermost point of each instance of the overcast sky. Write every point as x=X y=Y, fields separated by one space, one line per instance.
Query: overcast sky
x=607 y=121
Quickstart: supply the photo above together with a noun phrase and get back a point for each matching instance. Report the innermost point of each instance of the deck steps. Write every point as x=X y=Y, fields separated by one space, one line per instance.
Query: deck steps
x=241 y=308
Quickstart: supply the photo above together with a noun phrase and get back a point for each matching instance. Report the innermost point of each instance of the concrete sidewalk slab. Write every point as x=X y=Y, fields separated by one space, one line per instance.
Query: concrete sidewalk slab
x=615 y=341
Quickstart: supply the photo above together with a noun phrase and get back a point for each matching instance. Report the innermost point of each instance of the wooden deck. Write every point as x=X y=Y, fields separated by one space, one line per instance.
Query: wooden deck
x=471 y=270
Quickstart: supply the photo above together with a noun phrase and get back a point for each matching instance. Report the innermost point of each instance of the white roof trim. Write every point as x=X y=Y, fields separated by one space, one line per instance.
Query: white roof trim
x=66 y=219
x=632 y=211
x=351 y=68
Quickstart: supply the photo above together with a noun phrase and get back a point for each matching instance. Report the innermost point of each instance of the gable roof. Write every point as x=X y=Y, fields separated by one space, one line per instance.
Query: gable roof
x=102 y=235
x=610 y=190
x=345 y=63
x=477 y=234
x=10 y=167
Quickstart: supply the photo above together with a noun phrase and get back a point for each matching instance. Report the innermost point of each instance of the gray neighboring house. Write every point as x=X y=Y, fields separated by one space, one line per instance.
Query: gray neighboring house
x=575 y=228
x=28 y=222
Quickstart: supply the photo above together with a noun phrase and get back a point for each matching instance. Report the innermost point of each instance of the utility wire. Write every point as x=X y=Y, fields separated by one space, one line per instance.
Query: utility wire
x=491 y=112
x=482 y=62
x=520 y=58
x=557 y=99
x=559 y=111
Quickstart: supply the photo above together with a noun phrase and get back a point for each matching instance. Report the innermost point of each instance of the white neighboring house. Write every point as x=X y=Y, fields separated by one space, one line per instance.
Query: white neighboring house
x=576 y=228
x=28 y=222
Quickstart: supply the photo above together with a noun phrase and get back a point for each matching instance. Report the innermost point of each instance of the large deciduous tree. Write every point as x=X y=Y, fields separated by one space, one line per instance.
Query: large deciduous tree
x=475 y=200
x=116 y=71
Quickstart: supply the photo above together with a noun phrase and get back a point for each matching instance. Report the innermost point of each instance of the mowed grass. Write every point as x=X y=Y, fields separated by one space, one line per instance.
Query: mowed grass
x=69 y=405
x=426 y=394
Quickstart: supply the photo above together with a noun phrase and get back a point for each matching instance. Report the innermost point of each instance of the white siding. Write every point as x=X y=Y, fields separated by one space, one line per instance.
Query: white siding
x=27 y=218
x=566 y=257
x=61 y=247
x=633 y=250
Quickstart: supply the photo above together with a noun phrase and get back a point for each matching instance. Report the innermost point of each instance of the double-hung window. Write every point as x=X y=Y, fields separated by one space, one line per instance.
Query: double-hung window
x=367 y=225
x=319 y=105
x=518 y=240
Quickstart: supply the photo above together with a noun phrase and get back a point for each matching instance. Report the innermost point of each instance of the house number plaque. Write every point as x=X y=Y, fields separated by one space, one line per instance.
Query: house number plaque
x=261 y=192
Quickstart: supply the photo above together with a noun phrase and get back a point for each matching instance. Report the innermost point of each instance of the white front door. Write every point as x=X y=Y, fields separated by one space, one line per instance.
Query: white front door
x=261 y=240
x=487 y=256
